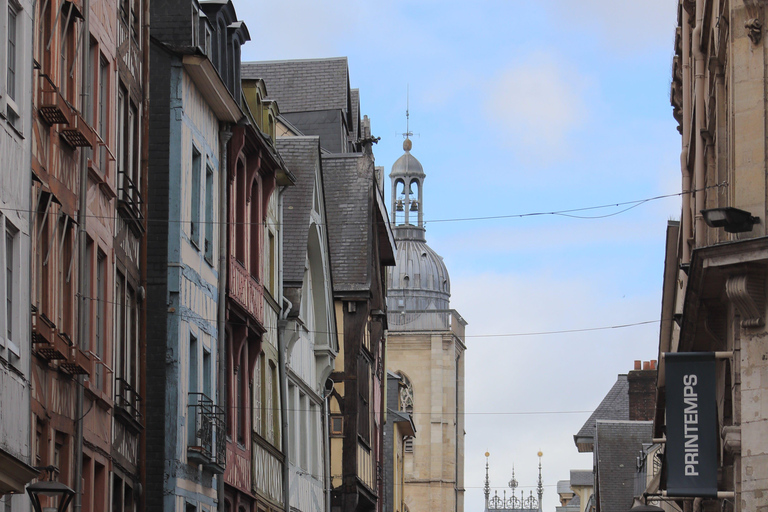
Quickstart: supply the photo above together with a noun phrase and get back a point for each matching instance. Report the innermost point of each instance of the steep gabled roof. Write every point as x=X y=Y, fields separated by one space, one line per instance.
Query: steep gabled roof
x=302 y=157
x=304 y=85
x=615 y=406
x=348 y=194
x=617 y=444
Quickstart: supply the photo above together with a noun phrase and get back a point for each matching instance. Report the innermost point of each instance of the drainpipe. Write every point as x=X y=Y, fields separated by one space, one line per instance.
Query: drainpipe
x=326 y=448
x=686 y=232
x=456 y=447
x=699 y=169
x=285 y=309
x=82 y=312
x=224 y=136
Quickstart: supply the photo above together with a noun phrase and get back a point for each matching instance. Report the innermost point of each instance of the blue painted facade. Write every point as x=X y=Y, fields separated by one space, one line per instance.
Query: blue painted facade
x=191 y=115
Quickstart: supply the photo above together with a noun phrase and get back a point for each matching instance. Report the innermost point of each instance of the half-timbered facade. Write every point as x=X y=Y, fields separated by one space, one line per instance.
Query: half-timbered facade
x=310 y=332
x=88 y=133
x=361 y=248
x=194 y=57
x=256 y=172
x=15 y=182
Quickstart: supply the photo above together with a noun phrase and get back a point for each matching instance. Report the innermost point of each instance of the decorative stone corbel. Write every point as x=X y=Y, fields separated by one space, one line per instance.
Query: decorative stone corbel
x=731 y=435
x=746 y=293
x=754 y=30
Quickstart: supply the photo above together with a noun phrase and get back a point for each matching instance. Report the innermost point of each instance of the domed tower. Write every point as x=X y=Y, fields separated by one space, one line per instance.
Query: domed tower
x=425 y=346
x=419 y=281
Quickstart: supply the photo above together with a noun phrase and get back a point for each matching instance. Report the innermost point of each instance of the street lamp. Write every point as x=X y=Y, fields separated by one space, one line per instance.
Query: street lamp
x=732 y=219
x=52 y=489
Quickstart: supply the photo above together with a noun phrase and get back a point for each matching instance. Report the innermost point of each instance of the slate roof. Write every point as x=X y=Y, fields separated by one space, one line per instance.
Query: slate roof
x=576 y=500
x=615 y=406
x=348 y=193
x=582 y=477
x=617 y=444
x=302 y=157
x=304 y=85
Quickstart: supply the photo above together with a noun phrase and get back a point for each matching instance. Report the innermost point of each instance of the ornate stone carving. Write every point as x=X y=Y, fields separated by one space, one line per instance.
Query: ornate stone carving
x=731 y=435
x=745 y=292
x=754 y=29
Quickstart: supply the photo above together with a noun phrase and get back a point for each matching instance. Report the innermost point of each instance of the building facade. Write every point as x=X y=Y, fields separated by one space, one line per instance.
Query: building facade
x=311 y=342
x=714 y=282
x=426 y=347
x=88 y=135
x=196 y=90
x=16 y=50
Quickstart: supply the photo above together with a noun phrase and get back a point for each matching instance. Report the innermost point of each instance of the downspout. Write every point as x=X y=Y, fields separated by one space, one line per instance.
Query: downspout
x=224 y=135
x=699 y=169
x=82 y=312
x=686 y=232
x=285 y=309
x=456 y=444
x=326 y=451
x=144 y=180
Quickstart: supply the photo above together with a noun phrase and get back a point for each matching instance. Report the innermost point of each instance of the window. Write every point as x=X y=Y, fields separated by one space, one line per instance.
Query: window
x=337 y=425
x=363 y=390
x=12 y=49
x=209 y=214
x=100 y=310
x=103 y=102
x=9 y=285
x=194 y=198
x=127 y=148
x=192 y=389
x=126 y=333
x=258 y=382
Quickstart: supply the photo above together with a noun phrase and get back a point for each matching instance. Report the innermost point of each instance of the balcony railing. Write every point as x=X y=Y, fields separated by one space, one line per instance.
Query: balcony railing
x=207 y=442
x=245 y=290
x=77 y=362
x=45 y=342
x=128 y=193
x=127 y=399
x=55 y=109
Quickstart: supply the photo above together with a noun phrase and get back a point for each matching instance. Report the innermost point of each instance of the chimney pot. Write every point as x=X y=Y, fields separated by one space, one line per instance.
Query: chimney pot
x=646 y=365
x=653 y=364
x=637 y=364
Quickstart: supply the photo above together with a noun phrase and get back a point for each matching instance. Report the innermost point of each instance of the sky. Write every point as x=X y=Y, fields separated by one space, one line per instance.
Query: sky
x=520 y=107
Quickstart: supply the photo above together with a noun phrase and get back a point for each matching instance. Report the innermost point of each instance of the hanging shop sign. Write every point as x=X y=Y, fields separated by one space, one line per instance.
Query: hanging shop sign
x=691 y=448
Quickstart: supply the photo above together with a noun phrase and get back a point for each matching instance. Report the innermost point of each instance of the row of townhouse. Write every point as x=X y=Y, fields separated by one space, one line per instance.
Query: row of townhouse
x=195 y=258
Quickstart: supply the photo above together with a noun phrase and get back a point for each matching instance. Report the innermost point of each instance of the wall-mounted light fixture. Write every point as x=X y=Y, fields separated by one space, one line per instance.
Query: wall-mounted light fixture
x=59 y=493
x=731 y=219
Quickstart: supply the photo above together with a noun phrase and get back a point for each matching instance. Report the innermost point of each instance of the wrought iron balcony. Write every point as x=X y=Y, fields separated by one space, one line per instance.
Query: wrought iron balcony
x=127 y=399
x=53 y=108
x=128 y=193
x=45 y=342
x=207 y=441
x=77 y=362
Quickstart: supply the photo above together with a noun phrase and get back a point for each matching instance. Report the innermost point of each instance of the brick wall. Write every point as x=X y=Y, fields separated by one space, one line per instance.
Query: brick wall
x=642 y=391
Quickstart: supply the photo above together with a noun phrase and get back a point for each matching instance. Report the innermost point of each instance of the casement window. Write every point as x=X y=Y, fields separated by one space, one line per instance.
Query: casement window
x=364 y=398
x=194 y=198
x=99 y=314
x=257 y=402
x=129 y=187
x=11 y=60
x=103 y=108
x=126 y=356
x=208 y=214
x=9 y=336
x=12 y=29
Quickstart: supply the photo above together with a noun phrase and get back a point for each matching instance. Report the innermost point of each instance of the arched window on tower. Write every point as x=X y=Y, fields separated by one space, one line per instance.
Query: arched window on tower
x=399 y=202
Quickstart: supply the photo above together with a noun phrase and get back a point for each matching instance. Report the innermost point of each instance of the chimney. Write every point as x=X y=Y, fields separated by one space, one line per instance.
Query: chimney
x=642 y=391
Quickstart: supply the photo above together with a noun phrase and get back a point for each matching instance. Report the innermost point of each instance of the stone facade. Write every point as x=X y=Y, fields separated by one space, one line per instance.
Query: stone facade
x=714 y=282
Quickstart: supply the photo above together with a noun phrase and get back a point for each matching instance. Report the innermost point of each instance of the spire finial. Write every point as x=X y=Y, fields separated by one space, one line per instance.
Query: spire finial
x=487 y=488
x=540 y=486
x=407 y=144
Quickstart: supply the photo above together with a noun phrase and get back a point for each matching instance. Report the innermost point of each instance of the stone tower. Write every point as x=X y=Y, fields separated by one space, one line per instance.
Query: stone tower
x=426 y=347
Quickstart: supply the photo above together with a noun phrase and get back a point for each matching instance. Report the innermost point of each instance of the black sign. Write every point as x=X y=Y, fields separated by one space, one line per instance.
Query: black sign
x=691 y=450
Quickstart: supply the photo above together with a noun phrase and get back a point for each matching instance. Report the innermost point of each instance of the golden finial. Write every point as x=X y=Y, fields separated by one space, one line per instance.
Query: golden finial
x=487 y=454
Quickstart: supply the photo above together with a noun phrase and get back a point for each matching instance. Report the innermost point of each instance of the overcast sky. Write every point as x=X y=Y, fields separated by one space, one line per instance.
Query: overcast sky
x=520 y=107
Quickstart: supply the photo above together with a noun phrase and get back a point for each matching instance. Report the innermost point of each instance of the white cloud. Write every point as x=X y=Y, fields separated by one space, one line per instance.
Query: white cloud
x=535 y=104
x=556 y=373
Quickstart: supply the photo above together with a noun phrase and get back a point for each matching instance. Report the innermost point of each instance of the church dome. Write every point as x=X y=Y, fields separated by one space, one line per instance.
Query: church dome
x=419 y=280
x=407 y=165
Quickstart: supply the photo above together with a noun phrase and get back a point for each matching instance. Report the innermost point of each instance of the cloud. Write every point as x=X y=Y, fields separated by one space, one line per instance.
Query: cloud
x=535 y=104
x=510 y=377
